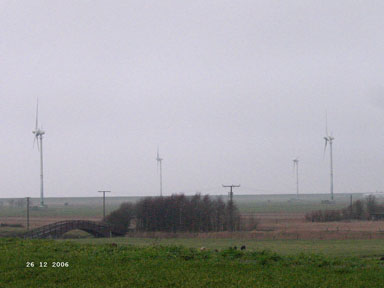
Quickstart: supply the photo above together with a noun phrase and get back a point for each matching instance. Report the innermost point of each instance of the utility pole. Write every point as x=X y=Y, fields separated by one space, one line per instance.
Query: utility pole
x=296 y=165
x=104 y=201
x=28 y=213
x=230 y=205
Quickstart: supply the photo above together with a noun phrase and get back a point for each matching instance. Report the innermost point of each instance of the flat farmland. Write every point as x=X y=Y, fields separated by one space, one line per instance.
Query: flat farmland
x=248 y=204
x=284 y=250
x=278 y=217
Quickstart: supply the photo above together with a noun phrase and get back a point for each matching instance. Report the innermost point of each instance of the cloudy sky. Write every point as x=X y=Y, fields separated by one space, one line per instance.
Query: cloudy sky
x=231 y=91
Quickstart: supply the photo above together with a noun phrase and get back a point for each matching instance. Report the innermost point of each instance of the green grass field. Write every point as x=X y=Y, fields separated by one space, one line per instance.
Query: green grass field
x=358 y=248
x=108 y=265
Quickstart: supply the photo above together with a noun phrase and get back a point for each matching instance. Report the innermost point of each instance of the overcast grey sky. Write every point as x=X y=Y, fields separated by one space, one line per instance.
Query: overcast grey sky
x=231 y=91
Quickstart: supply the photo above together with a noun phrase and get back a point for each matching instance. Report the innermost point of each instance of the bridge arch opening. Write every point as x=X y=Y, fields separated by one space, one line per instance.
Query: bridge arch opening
x=77 y=234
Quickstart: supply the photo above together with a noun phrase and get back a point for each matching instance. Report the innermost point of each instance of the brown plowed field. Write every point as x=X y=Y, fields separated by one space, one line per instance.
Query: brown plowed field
x=294 y=226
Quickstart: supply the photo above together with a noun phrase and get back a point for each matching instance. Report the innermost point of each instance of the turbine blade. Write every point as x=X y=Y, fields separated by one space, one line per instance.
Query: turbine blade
x=38 y=145
x=325 y=146
x=326 y=123
x=37 y=114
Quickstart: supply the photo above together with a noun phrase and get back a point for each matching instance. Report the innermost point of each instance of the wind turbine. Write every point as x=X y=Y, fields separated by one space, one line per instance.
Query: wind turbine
x=296 y=165
x=159 y=161
x=329 y=138
x=39 y=137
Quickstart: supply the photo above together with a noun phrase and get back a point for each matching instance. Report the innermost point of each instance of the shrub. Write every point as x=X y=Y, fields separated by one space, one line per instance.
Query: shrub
x=122 y=217
x=324 y=216
x=178 y=213
x=359 y=210
x=372 y=206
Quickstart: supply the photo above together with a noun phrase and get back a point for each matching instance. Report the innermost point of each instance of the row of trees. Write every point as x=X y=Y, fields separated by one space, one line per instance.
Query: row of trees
x=18 y=203
x=359 y=210
x=178 y=213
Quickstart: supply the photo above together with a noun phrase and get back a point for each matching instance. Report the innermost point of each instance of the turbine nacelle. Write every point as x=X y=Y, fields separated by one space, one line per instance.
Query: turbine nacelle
x=158 y=159
x=38 y=132
x=329 y=138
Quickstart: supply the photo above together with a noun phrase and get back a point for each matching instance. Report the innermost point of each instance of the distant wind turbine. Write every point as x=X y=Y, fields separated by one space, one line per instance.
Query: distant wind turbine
x=39 y=137
x=159 y=166
x=296 y=165
x=329 y=138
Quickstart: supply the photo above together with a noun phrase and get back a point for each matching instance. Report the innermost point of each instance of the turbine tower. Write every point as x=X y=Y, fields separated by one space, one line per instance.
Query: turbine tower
x=39 y=137
x=296 y=165
x=159 y=166
x=329 y=138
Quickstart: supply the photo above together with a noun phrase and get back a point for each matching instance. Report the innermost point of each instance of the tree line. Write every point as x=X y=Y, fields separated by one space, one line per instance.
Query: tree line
x=359 y=210
x=178 y=213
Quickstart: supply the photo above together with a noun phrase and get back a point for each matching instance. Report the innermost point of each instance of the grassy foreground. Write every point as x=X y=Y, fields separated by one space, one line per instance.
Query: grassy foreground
x=355 y=248
x=111 y=265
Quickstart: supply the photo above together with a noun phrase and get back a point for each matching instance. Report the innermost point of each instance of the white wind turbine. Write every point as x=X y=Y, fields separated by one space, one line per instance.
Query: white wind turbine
x=296 y=165
x=39 y=137
x=159 y=162
x=329 y=138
